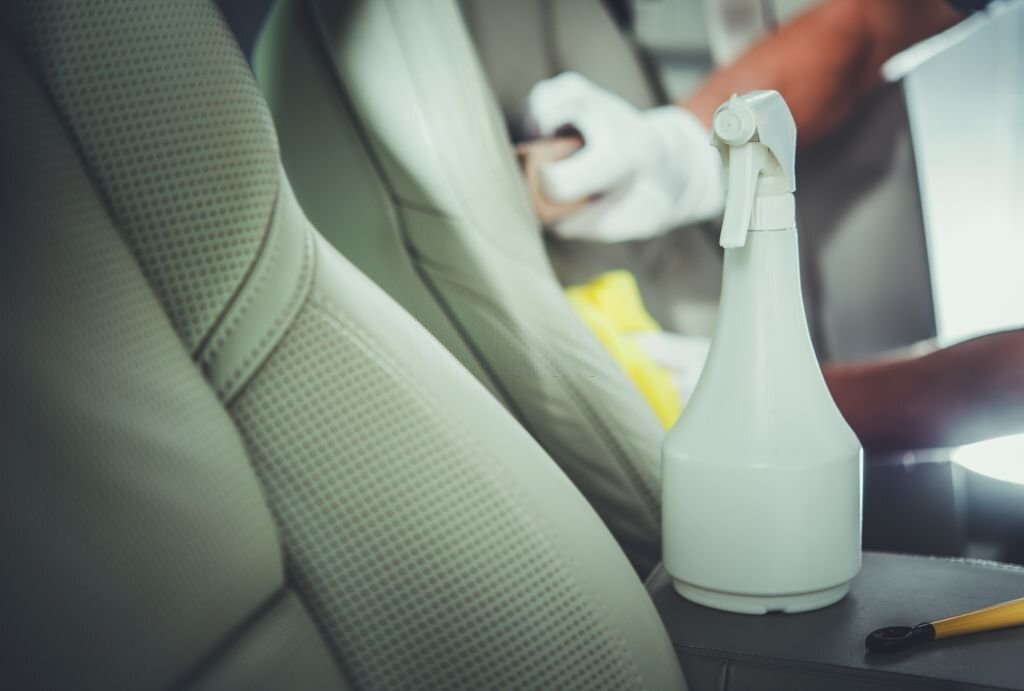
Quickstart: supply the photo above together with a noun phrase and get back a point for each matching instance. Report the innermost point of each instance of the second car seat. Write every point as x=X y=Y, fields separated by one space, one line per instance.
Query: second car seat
x=387 y=125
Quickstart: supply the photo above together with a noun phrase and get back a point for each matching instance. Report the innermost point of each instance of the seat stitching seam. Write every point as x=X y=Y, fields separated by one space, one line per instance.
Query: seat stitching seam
x=255 y=288
x=218 y=322
x=485 y=115
x=283 y=317
x=310 y=14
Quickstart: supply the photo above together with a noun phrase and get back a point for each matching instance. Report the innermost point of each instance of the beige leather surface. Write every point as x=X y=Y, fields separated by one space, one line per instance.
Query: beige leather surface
x=135 y=536
x=436 y=544
x=438 y=180
x=363 y=513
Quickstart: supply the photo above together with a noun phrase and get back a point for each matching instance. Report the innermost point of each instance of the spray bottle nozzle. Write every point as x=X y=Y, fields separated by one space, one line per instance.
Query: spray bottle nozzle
x=756 y=135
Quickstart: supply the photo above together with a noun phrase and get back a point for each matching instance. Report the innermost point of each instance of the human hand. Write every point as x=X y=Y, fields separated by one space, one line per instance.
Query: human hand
x=533 y=156
x=643 y=172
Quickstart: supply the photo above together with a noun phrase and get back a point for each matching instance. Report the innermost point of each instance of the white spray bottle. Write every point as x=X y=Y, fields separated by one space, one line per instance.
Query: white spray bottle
x=761 y=475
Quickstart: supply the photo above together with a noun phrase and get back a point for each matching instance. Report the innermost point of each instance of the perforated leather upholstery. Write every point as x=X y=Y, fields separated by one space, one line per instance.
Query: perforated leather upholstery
x=230 y=460
x=384 y=114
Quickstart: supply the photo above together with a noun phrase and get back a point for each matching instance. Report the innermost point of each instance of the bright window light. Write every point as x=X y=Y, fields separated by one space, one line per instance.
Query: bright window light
x=966 y=107
x=1001 y=458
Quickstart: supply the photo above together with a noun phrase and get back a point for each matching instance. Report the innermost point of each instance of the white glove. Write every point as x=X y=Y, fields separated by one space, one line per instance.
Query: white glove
x=654 y=170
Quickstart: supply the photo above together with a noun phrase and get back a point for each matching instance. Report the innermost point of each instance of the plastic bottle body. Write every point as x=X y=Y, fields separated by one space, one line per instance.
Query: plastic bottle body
x=762 y=475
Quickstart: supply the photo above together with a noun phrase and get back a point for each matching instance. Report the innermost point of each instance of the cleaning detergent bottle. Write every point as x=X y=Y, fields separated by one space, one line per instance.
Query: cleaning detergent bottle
x=761 y=474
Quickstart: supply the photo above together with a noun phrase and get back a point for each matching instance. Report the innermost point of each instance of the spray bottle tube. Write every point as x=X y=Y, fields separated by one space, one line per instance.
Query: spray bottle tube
x=761 y=475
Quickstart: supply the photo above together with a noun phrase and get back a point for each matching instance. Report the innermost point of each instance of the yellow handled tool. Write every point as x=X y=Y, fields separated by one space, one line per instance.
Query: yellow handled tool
x=893 y=638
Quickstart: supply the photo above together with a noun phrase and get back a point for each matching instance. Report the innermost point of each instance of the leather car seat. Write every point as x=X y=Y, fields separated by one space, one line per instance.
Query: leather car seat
x=399 y=156
x=230 y=460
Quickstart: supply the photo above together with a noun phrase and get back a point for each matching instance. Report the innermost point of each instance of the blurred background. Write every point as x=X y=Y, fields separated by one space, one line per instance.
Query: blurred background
x=910 y=215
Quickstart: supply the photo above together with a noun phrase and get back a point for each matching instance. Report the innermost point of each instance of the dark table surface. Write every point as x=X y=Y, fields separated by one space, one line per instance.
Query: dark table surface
x=891 y=589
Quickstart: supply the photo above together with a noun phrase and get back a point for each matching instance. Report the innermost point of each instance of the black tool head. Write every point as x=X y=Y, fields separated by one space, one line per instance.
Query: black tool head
x=895 y=638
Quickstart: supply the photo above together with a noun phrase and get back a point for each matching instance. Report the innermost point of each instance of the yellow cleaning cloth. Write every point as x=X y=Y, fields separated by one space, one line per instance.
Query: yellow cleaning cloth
x=613 y=309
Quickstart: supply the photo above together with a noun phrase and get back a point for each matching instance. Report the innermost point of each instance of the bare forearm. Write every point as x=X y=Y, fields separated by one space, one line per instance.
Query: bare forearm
x=825 y=60
x=970 y=391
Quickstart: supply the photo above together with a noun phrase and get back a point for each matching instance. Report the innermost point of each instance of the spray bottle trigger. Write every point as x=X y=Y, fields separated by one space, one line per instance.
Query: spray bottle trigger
x=745 y=163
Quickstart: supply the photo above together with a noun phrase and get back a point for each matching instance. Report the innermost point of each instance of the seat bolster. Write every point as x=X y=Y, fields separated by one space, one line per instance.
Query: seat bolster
x=136 y=538
x=265 y=303
x=433 y=540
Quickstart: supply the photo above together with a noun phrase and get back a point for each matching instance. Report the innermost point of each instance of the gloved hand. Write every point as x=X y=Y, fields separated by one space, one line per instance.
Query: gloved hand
x=648 y=171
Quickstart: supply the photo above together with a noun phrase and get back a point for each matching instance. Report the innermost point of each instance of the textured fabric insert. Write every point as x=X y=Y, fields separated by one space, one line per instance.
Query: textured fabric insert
x=175 y=131
x=421 y=567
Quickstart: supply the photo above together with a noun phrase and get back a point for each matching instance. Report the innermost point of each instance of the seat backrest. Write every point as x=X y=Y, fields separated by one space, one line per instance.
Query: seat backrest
x=384 y=114
x=522 y=42
x=230 y=460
